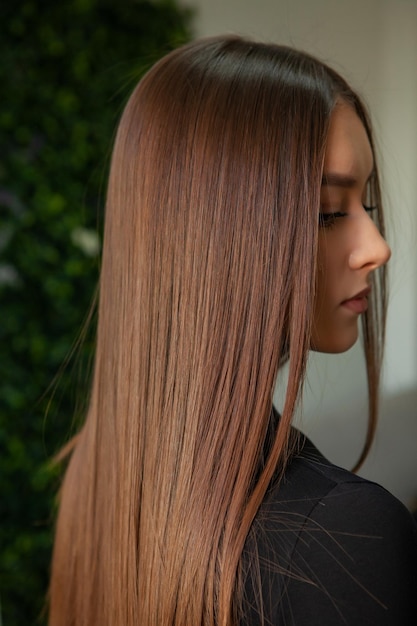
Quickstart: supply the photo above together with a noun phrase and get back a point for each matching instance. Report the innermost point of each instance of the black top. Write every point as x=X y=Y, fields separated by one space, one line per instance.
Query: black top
x=334 y=549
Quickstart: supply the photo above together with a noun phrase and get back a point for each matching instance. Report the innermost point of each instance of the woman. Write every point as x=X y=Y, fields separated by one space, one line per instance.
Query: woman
x=243 y=228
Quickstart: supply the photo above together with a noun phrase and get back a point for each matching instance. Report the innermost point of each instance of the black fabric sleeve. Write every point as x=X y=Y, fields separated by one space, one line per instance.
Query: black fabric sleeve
x=351 y=559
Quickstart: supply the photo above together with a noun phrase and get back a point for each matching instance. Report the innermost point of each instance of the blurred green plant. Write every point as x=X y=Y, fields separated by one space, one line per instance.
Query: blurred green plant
x=66 y=70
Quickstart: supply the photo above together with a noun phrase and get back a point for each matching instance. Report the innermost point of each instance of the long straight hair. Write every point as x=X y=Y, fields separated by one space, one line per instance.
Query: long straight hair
x=207 y=285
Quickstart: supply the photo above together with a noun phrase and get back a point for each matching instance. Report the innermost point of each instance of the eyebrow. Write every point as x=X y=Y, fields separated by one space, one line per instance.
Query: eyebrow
x=332 y=179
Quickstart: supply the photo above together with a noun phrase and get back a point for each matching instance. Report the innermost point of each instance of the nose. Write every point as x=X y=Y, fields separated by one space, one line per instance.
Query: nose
x=371 y=250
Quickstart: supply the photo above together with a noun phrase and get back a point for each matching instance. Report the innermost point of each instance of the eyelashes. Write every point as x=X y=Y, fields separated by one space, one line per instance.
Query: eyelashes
x=327 y=220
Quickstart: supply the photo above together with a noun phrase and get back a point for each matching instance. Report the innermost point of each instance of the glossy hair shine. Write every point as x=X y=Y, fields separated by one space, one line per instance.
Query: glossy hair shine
x=207 y=285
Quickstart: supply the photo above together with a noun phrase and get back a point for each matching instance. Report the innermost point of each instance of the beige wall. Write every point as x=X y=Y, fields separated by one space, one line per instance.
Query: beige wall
x=373 y=43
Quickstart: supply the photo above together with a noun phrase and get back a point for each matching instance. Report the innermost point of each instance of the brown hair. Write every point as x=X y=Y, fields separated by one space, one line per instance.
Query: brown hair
x=207 y=283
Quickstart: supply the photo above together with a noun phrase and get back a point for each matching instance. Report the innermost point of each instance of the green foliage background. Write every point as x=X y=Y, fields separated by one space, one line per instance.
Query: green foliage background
x=66 y=70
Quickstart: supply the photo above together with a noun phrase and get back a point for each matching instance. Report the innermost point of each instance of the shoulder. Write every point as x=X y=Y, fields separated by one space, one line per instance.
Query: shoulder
x=313 y=488
x=332 y=548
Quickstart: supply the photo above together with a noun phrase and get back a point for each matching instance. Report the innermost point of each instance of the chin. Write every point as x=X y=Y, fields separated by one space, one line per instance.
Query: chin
x=340 y=342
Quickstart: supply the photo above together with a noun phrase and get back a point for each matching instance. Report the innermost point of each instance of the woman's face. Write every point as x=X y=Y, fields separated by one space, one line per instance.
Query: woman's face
x=350 y=246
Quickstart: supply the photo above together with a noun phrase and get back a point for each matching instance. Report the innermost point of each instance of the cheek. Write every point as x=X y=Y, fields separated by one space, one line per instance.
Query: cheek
x=331 y=266
x=333 y=330
x=324 y=279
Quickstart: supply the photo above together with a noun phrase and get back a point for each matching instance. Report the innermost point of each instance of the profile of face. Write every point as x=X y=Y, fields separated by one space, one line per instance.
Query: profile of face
x=350 y=246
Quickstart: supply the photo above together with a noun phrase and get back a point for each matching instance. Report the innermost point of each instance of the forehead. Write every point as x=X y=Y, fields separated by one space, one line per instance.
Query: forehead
x=348 y=150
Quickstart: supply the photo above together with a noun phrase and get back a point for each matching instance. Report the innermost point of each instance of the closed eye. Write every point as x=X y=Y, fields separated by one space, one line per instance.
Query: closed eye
x=328 y=219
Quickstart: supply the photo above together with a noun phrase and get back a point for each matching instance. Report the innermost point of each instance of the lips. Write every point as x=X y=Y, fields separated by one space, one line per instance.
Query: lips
x=358 y=303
